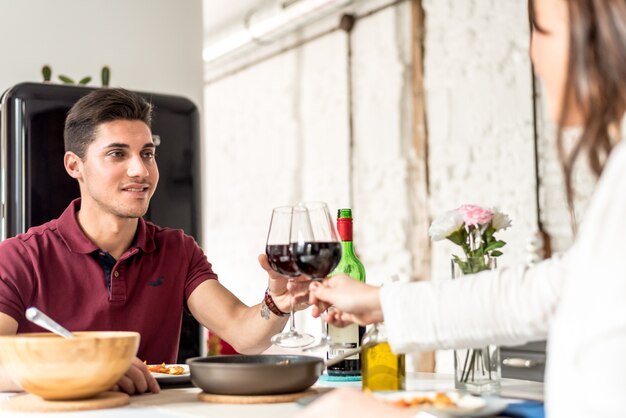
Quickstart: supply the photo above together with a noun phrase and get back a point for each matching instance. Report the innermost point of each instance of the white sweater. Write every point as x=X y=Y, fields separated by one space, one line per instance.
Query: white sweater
x=577 y=302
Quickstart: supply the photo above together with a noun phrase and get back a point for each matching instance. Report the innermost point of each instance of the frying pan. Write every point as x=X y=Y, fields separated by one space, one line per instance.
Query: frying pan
x=258 y=374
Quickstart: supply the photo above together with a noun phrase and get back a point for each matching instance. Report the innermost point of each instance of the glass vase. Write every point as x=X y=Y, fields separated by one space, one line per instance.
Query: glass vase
x=476 y=370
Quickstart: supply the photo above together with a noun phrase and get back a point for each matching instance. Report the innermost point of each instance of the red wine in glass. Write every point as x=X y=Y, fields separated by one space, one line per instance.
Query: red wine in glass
x=280 y=257
x=315 y=247
x=316 y=259
x=281 y=261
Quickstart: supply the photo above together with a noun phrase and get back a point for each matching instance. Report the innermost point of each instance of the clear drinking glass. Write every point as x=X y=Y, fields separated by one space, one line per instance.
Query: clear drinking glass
x=476 y=370
x=315 y=246
x=279 y=254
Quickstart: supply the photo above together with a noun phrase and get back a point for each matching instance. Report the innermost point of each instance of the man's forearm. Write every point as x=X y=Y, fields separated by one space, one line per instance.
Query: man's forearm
x=257 y=326
x=247 y=328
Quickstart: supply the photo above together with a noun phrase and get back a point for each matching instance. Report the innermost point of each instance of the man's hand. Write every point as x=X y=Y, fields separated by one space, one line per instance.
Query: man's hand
x=352 y=301
x=282 y=289
x=137 y=380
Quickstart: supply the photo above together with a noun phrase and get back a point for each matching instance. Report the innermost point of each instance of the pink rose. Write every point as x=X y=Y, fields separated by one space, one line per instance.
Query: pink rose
x=475 y=215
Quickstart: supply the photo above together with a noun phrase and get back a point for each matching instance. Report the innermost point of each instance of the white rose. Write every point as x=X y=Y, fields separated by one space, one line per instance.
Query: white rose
x=500 y=220
x=445 y=225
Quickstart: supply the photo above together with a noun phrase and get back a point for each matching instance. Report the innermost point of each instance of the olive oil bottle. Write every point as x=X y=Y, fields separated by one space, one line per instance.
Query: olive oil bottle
x=381 y=369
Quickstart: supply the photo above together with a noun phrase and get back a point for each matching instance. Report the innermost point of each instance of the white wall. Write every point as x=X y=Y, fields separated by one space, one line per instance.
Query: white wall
x=278 y=132
x=150 y=45
x=480 y=121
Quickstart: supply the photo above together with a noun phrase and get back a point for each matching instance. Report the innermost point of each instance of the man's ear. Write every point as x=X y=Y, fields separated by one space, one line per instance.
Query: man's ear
x=73 y=165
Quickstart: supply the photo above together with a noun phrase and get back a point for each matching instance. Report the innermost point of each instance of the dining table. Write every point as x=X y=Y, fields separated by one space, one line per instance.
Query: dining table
x=177 y=401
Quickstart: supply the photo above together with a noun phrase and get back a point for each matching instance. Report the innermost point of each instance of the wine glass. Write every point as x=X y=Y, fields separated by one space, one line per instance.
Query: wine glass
x=315 y=247
x=279 y=255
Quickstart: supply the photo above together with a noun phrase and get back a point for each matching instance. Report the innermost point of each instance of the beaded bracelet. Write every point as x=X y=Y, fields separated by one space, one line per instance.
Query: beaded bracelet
x=268 y=306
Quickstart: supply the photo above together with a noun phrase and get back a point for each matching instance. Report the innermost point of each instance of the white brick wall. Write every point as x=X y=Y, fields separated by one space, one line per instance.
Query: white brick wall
x=278 y=132
x=479 y=92
x=382 y=132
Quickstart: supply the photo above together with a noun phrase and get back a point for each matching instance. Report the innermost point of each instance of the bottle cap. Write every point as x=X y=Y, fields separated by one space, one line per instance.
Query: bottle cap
x=344 y=213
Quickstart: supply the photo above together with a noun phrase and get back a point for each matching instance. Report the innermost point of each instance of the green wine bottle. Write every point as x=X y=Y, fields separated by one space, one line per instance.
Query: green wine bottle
x=350 y=336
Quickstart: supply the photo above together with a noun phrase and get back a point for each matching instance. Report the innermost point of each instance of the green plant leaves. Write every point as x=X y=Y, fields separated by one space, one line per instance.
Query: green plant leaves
x=484 y=243
x=105 y=75
x=459 y=237
x=493 y=245
x=472 y=265
x=66 y=79
x=46 y=72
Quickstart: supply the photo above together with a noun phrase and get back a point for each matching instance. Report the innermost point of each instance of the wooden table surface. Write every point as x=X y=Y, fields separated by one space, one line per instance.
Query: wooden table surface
x=183 y=402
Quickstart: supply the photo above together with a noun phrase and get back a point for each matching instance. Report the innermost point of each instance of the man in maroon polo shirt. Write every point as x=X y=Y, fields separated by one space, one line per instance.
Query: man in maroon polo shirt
x=100 y=266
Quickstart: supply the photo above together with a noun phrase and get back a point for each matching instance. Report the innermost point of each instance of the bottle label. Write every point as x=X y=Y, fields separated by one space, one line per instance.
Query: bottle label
x=347 y=336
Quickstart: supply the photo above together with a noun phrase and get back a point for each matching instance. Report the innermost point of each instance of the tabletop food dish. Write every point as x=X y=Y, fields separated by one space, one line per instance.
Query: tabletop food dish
x=453 y=403
x=170 y=373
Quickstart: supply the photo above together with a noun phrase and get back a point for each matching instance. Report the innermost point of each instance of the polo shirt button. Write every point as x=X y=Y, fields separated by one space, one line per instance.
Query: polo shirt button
x=116 y=273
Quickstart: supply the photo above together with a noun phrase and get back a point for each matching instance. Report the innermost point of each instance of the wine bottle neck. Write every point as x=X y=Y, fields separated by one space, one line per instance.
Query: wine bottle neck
x=347 y=248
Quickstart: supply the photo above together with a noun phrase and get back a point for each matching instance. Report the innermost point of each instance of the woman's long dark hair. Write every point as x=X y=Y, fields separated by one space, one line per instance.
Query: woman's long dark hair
x=596 y=81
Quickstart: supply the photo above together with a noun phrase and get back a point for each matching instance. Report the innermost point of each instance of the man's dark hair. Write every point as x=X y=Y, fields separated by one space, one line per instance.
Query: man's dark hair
x=98 y=107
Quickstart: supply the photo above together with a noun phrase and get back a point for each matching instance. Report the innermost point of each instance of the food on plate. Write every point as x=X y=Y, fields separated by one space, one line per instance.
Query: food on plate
x=454 y=403
x=440 y=400
x=162 y=368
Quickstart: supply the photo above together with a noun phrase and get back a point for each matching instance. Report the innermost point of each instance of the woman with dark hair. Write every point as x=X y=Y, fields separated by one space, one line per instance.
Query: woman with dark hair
x=577 y=301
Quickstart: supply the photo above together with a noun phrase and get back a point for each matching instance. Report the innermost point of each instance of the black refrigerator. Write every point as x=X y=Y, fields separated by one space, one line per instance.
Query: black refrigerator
x=35 y=188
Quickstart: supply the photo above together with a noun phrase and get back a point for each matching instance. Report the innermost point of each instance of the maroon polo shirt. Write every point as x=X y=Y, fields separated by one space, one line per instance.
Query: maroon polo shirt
x=55 y=268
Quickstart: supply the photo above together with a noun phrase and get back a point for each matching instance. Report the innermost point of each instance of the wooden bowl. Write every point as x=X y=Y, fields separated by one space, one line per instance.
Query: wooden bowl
x=57 y=368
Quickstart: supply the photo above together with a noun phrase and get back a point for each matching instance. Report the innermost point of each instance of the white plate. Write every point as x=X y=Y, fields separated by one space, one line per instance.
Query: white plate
x=467 y=405
x=164 y=378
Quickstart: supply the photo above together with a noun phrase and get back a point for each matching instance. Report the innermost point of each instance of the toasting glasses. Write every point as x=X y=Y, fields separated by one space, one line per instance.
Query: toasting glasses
x=302 y=240
x=279 y=254
x=316 y=248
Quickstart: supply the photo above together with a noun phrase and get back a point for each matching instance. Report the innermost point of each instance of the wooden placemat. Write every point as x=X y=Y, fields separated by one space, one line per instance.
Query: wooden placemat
x=252 y=399
x=33 y=403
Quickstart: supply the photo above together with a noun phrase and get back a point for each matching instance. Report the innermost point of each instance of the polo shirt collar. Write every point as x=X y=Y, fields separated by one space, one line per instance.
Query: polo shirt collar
x=78 y=242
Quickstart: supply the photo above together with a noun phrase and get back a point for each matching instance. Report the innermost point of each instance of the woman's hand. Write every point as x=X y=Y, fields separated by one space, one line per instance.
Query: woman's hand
x=282 y=289
x=352 y=301
x=137 y=380
x=346 y=402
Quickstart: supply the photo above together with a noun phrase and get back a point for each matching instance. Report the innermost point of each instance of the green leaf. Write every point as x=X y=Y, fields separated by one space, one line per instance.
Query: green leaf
x=495 y=253
x=459 y=237
x=46 y=72
x=105 y=76
x=494 y=245
x=66 y=79
x=84 y=80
